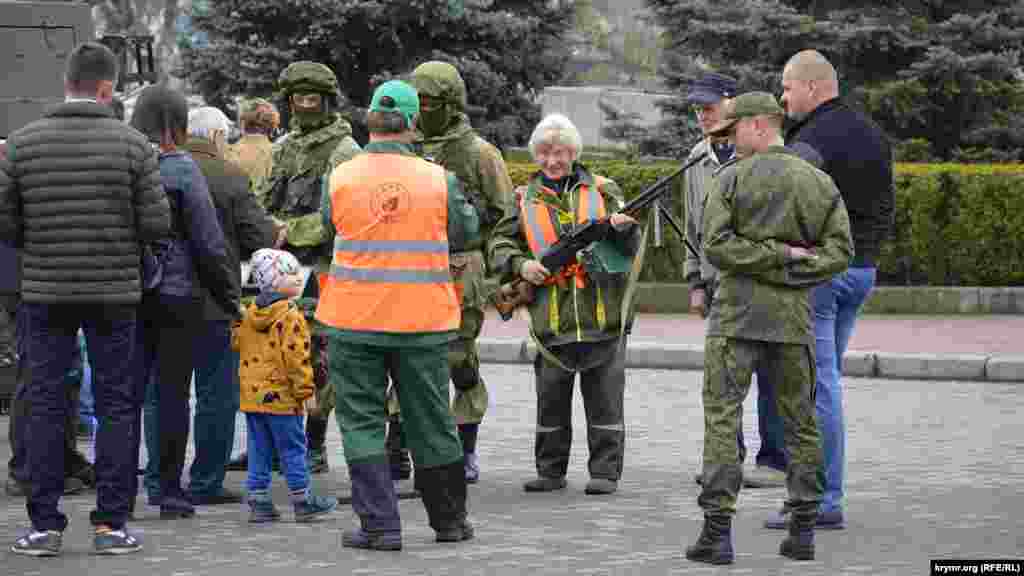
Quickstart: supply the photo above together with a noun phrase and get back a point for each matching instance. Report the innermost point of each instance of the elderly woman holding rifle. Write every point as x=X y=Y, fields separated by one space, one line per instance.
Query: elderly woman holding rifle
x=578 y=312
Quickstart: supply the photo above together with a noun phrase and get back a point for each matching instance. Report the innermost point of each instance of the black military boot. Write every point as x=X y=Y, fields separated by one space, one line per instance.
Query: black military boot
x=799 y=545
x=714 y=545
x=316 y=455
x=444 y=497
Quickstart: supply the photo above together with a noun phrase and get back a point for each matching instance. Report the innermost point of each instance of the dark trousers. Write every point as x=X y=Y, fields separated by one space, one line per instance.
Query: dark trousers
x=74 y=461
x=50 y=338
x=216 y=405
x=168 y=326
x=602 y=384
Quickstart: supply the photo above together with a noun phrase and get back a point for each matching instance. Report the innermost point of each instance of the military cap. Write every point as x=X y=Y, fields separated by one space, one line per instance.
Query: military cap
x=711 y=88
x=745 y=106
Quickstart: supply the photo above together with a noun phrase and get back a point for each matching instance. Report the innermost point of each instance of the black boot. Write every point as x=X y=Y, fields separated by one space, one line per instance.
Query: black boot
x=714 y=546
x=799 y=545
x=398 y=455
x=444 y=497
x=316 y=436
x=375 y=502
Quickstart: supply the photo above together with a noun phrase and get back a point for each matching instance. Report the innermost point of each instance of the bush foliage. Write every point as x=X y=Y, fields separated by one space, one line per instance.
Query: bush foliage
x=955 y=224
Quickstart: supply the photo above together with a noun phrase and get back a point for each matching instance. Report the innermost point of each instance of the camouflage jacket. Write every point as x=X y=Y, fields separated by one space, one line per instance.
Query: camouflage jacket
x=560 y=314
x=763 y=204
x=309 y=154
x=480 y=168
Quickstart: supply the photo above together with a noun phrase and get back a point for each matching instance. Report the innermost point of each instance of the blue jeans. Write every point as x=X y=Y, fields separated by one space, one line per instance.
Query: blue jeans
x=213 y=427
x=264 y=433
x=836 y=304
x=50 y=341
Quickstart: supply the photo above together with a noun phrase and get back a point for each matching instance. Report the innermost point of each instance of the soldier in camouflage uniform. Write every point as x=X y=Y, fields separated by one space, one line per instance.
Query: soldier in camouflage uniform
x=449 y=140
x=775 y=227
x=319 y=140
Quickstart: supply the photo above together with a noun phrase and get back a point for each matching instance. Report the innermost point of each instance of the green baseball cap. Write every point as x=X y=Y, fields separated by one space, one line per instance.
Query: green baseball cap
x=396 y=96
x=745 y=106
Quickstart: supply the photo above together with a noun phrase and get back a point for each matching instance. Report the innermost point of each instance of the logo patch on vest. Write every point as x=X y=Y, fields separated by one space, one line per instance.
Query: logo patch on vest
x=390 y=201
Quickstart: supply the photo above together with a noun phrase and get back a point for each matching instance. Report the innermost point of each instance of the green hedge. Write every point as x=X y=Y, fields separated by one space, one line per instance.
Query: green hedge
x=955 y=224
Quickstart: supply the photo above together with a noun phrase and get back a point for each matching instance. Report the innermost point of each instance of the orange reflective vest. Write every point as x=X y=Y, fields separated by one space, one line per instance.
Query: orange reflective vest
x=540 y=223
x=390 y=267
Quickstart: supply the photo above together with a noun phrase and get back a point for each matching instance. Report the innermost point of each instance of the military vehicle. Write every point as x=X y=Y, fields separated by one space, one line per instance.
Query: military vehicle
x=35 y=42
x=36 y=38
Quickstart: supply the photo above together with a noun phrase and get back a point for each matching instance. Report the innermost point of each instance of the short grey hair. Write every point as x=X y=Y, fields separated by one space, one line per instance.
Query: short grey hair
x=556 y=129
x=202 y=122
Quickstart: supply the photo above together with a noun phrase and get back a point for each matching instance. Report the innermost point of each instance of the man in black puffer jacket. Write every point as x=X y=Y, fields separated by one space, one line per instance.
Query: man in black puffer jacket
x=79 y=192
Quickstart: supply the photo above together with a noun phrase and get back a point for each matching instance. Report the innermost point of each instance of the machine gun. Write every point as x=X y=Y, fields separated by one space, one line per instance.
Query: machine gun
x=565 y=251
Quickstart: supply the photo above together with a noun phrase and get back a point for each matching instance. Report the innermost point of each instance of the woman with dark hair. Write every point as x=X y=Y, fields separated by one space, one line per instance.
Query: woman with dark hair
x=171 y=312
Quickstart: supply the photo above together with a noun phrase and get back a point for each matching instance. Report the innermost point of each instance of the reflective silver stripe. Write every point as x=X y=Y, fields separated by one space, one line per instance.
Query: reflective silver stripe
x=391 y=276
x=531 y=220
x=410 y=246
x=612 y=427
x=546 y=429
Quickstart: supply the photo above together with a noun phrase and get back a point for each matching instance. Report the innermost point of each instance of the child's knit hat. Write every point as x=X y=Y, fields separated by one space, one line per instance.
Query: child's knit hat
x=270 y=267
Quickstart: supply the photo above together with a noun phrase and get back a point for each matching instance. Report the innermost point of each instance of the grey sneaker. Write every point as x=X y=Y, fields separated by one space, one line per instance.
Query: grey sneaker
x=115 y=542
x=37 y=543
x=314 y=507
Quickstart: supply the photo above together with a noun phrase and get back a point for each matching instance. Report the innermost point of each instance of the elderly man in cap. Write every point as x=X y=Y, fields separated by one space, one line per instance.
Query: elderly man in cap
x=775 y=226
x=709 y=96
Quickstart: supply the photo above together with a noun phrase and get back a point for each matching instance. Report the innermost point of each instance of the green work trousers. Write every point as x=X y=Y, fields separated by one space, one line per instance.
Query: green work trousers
x=359 y=374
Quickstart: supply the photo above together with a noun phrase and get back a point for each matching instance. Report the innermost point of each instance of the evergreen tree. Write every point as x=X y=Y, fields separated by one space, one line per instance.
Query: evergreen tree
x=506 y=51
x=947 y=72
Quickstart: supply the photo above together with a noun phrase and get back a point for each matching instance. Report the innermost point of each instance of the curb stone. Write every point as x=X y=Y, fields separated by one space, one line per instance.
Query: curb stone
x=857 y=363
x=1005 y=369
x=932 y=367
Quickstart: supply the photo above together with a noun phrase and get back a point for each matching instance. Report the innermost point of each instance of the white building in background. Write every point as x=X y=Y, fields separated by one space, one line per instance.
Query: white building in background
x=580 y=104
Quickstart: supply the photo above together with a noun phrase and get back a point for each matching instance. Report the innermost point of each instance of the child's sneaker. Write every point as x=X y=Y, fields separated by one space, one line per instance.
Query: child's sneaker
x=35 y=543
x=263 y=510
x=115 y=542
x=313 y=507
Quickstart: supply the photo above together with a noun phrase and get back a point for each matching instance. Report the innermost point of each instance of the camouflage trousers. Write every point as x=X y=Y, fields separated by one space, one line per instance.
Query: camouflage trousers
x=729 y=364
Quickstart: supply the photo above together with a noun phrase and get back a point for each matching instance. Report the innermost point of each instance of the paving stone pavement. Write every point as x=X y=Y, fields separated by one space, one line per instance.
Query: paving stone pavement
x=936 y=470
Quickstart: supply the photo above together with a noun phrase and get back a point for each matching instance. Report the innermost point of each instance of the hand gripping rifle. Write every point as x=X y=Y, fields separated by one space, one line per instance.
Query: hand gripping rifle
x=564 y=252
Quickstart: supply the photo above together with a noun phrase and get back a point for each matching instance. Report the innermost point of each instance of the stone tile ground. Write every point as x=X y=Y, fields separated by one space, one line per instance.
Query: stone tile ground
x=936 y=471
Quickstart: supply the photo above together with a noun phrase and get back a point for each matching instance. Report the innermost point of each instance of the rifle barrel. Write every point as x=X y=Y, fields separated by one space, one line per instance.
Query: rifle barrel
x=653 y=191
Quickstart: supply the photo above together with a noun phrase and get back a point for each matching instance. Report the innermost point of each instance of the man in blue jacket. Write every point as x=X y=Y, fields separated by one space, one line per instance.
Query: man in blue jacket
x=856 y=154
x=79 y=192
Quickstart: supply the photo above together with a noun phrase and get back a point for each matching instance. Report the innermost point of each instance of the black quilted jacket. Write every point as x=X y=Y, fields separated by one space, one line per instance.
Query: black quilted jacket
x=79 y=192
